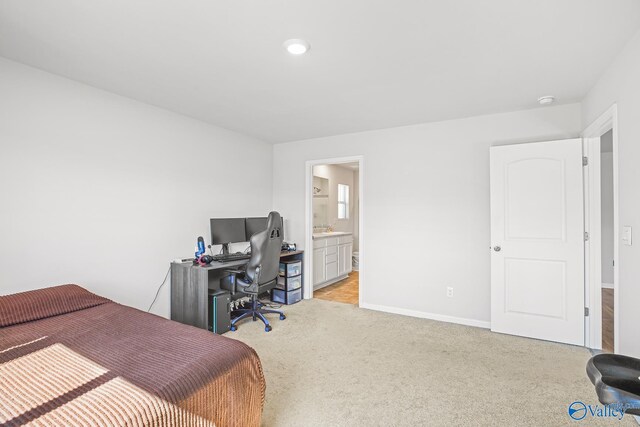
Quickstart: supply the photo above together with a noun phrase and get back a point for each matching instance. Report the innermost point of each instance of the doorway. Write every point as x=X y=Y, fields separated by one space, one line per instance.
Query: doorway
x=334 y=230
x=601 y=219
x=607 y=240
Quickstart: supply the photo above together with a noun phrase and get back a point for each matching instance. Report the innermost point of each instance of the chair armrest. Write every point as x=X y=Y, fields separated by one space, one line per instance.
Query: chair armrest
x=255 y=284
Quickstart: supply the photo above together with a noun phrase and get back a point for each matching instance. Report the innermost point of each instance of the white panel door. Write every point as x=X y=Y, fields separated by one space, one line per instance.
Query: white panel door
x=537 y=234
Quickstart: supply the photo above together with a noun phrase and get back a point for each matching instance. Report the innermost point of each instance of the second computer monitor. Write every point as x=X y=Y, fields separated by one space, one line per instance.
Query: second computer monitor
x=227 y=230
x=255 y=225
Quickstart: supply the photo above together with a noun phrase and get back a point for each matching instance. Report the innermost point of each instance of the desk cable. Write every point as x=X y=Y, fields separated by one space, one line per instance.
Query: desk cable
x=160 y=287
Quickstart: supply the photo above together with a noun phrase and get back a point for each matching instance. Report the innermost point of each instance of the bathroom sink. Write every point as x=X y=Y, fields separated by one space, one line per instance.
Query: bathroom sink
x=330 y=233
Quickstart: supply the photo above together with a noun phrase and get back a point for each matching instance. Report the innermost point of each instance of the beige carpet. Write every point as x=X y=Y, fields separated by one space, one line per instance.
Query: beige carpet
x=333 y=364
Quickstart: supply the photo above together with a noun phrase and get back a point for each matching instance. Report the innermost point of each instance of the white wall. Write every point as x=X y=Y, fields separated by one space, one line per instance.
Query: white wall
x=621 y=84
x=426 y=204
x=606 y=218
x=337 y=175
x=104 y=191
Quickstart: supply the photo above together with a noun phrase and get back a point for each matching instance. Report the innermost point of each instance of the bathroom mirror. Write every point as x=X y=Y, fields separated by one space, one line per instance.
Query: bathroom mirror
x=320 y=202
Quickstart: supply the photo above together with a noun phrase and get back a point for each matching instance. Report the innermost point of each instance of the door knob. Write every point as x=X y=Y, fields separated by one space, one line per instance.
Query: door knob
x=497 y=248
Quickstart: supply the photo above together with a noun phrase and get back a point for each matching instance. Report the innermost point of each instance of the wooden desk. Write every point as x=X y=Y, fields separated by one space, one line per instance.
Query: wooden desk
x=190 y=286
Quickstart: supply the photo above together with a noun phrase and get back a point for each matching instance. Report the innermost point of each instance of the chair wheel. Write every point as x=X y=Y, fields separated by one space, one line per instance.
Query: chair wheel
x=267 y=328
x=233 y=328
x=282 y=317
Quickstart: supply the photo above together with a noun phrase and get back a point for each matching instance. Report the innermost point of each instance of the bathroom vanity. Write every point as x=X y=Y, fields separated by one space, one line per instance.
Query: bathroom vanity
x=332 y=253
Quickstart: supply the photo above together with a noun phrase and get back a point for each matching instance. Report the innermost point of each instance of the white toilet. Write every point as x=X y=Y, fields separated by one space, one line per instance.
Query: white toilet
x=356 y=261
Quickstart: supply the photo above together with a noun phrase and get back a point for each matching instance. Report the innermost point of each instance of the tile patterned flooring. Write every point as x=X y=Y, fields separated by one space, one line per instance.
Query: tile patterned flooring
x=345 y=291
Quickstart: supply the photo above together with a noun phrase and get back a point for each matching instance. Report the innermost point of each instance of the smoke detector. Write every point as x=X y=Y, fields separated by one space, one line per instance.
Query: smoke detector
x=546 y=100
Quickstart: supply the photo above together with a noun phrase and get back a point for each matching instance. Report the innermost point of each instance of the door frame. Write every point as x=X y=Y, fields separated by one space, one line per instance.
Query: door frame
x=593 y=257
x=308 y=220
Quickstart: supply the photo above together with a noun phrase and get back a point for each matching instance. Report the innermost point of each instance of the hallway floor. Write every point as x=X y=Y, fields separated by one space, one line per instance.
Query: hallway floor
x=345 y=291
x=607 y=320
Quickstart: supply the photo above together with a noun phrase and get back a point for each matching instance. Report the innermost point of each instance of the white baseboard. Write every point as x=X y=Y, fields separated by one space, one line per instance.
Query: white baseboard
x=607 y=285
x=425 y=315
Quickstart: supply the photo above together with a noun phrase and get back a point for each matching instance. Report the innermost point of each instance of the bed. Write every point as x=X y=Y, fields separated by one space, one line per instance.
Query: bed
x=70 y=357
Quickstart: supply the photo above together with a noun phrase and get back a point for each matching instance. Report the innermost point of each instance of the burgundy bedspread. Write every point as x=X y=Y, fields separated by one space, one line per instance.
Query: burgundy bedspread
x=69 y=357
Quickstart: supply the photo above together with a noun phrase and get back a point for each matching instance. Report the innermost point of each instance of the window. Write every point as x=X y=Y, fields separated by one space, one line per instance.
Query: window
x=343 y=201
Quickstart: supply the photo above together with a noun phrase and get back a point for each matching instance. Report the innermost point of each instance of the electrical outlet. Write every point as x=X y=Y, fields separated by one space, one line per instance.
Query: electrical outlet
x=449 y=291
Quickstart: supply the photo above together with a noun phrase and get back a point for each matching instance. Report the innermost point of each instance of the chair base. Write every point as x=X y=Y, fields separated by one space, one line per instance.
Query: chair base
x=255 y=312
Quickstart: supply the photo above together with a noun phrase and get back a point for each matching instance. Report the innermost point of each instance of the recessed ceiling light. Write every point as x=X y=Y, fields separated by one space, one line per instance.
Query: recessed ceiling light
x=296 y=46
x=546 y=100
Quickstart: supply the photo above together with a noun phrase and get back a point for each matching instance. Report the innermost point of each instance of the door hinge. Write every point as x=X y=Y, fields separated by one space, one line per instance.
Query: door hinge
x=585 y=161
x=586 y=236
x=586 y=312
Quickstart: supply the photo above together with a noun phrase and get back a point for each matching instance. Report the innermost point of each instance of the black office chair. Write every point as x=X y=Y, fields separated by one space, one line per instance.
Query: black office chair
x=260 y=275
x=616 y=379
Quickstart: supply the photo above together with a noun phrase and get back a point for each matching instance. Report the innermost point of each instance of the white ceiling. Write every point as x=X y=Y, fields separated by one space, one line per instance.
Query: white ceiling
x=372 y=64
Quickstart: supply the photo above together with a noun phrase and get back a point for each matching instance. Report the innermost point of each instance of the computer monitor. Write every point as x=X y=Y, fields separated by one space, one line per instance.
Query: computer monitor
x=227 y=230
x=255 y=225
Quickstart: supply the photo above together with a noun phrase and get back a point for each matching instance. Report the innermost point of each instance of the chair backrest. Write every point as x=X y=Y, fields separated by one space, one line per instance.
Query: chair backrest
x=265 y=251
